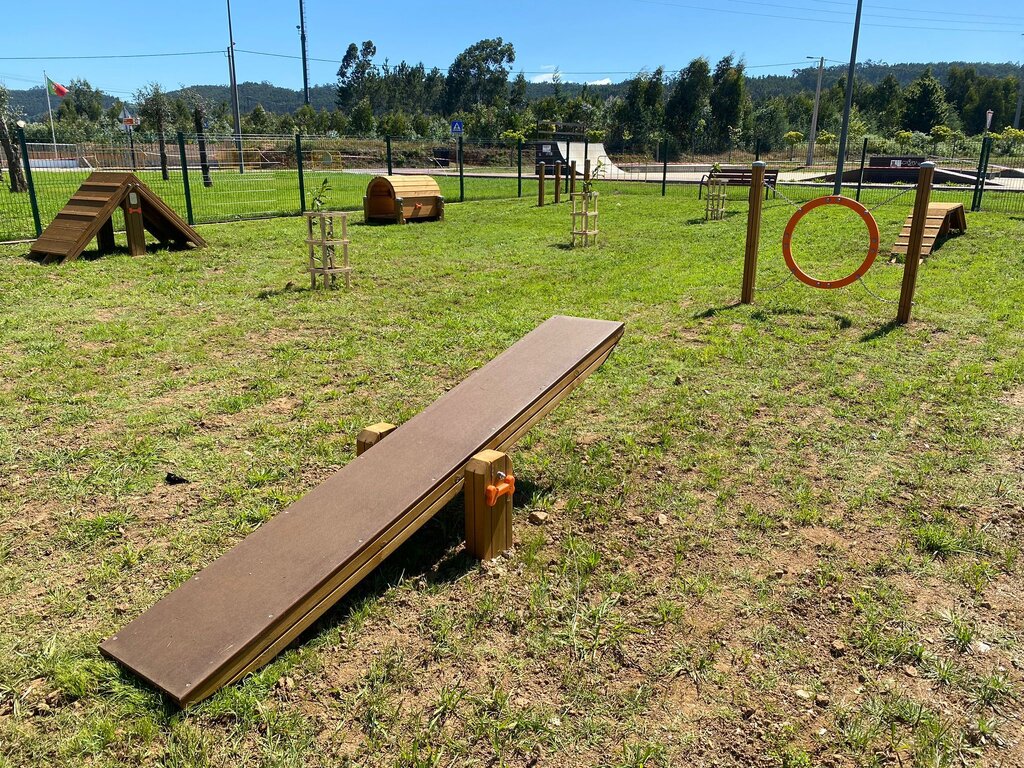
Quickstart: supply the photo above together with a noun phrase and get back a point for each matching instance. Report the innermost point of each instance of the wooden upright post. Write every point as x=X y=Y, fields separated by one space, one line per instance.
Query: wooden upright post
x=917 y=227
x=133 y=226
x=487 y=489
x=586 y=169
x=540 y=186
x=572 y=179
x=753 y=233
x=372 y=435
x=105 y=238
x=558 y=183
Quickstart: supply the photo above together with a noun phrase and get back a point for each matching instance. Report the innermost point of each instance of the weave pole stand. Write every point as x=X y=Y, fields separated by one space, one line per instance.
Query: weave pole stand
x=322 y=229
x=584 y=218
x=714 y=206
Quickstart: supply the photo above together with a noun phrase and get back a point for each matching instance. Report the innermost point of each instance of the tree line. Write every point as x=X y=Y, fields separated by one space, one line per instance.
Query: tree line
x=700 y=108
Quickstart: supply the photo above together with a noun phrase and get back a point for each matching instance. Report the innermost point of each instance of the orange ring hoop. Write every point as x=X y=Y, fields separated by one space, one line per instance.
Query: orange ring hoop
x=853 y=205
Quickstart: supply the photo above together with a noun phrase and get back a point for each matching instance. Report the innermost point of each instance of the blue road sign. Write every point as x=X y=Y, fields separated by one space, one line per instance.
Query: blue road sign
x=457 y=128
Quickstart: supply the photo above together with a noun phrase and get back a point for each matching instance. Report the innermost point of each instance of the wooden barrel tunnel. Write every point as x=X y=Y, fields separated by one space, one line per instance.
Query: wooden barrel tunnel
x=398 y=199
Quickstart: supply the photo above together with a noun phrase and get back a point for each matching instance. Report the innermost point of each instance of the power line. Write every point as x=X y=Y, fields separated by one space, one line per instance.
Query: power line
x=929 y=16
x=110 y=56
x=36 y=83
x=925 y=10
x=903 y=27
x=530 y=71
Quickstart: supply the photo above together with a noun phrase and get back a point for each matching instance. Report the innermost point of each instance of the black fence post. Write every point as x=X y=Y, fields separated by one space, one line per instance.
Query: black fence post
x=387 y=144
x=664 y=165
x=302 y=180
x=984 y=173
x=462 y=175
x=519 y=164
x=979 y=181
x=567 y=153
x=31 y=185
x=184 y=179
x=757 y=150
x=863 y=157
x=204 y=160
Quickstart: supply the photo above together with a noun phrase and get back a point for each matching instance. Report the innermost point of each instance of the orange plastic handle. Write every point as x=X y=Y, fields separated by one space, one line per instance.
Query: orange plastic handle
x=505 y=488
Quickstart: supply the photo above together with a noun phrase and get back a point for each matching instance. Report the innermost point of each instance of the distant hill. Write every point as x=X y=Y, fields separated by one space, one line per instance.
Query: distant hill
x=806 y=79
x=32 y=101
x=281 y=100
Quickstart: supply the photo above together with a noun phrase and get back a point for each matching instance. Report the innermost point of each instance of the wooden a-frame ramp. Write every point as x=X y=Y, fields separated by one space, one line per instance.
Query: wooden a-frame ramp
x=942 y=217
x=239 y=612
x=88 y=213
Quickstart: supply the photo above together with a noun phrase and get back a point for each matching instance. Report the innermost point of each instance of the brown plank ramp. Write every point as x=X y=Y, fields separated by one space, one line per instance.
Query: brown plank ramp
x=244 y=608
x=942 y=217
x=88 y=213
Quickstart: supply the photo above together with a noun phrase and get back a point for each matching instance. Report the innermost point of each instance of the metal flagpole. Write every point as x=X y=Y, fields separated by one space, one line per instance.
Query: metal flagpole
x=53 y=133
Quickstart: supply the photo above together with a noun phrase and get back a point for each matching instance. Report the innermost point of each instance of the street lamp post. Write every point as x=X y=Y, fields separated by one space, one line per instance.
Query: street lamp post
x=814 y=116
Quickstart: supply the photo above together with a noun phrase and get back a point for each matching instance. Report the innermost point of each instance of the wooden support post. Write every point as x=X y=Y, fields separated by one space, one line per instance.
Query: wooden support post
x=487 y=489
x=753 y=233
x=586 y=169
x=133 y=226
x=105 y=238
x=572 y=179
x=558 y=183
x=913 y=259
x=540 y=186
x=372 y=435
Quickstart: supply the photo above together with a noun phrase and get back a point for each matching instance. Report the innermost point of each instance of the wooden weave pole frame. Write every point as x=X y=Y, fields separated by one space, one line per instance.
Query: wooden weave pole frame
x=584 y=218
x=322 y=231
x=714 y=206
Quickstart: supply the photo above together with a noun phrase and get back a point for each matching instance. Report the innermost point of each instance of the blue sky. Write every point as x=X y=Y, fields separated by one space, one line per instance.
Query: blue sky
x=602 y=40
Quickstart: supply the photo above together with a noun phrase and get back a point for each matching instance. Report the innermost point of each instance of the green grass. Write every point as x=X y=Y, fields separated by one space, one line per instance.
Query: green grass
x=841 y=497
x=252 y=194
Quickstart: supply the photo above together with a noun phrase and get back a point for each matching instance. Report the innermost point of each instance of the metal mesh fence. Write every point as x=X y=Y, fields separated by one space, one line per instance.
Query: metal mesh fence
x=211 y=178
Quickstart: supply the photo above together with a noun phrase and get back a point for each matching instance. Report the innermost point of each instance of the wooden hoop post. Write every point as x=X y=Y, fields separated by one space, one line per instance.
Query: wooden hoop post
x=134 y=228
x=558 y=183
x=753 y=233
x=913 y=259
x=487 y=491
x=540 y=186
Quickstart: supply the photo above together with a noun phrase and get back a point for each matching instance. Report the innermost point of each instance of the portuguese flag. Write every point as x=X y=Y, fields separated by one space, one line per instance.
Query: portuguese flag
x=56 y=88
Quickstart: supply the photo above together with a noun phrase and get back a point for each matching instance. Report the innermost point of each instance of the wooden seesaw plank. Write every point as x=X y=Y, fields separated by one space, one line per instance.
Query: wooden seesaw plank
x=241 y=610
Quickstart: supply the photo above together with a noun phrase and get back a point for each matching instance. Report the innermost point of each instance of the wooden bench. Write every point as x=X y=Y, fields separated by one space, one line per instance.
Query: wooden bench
x=740 y=177
x=942 y=217
x=240 y=611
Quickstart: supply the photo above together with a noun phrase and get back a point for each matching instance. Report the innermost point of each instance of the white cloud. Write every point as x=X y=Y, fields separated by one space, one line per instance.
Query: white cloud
x=548 y=78
x=602 y=81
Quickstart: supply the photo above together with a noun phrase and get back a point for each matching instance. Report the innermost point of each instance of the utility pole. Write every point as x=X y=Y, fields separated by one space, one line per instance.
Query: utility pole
x=837 y=188
x=305 y=61
x=234 y=92
x=814 y=117
x=1020 y=98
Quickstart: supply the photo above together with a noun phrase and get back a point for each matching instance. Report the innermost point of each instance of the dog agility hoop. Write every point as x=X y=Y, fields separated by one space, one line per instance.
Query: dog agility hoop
x=873 y=239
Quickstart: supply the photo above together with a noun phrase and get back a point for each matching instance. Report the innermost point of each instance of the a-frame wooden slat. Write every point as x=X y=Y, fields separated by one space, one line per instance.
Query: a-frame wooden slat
x=940 y=219
x=89 y=211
